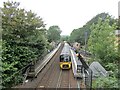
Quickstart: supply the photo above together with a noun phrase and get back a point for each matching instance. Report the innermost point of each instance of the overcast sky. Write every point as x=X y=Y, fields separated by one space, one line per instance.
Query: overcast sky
x=68 y=14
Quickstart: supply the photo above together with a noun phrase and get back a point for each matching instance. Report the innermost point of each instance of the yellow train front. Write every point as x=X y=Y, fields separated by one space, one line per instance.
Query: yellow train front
x=65 y=57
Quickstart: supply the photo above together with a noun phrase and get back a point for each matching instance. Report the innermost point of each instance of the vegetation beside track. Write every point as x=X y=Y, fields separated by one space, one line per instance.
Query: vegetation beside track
x=101 y=43
x=24 y=40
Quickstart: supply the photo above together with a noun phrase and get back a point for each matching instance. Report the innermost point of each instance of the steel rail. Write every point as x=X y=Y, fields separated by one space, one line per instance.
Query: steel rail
x=49 y=66
x=46 y=61
x=59 y=80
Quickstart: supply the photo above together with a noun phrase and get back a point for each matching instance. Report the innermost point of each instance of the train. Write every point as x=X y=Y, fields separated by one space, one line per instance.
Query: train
x=65 y=57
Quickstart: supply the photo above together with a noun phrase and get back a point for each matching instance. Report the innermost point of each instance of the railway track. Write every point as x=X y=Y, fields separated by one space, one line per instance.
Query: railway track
x=63 y=80
x=48 y=71
x=57 y=78
x=52 y=76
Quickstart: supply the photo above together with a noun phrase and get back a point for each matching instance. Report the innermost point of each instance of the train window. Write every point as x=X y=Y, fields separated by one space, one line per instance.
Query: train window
x=61 y=58
x=65 y=58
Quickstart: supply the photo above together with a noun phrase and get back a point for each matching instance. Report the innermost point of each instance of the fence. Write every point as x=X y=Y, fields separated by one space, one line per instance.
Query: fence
x=88 y=75
x=88 y=78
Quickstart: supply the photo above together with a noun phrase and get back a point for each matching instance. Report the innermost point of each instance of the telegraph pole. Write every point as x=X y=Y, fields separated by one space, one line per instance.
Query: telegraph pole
x=85 y=41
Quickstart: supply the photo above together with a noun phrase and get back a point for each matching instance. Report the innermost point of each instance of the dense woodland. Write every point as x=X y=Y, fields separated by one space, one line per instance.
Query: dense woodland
x=25 y=39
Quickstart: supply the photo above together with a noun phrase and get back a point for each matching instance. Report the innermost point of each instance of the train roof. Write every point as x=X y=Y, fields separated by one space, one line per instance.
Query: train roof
x=66 y=49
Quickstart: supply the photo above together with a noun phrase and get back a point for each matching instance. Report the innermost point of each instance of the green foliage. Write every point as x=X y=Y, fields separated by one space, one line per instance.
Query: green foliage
x=101 y=44
x=102 y=41
x=113 y=69
x=111 y=66
x=78 y=35
x=64 y=38
x=75 y=36
x=0 y=63
x=118 y=23
x=23 y=40
x=53 y=33
x=19 y=24
x=105 y=82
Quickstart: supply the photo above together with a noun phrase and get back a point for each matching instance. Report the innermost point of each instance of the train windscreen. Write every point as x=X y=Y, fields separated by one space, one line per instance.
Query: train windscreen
x=65 y=58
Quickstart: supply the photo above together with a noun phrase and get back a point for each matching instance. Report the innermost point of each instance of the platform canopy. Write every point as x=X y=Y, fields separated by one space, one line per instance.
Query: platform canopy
x=98 y=70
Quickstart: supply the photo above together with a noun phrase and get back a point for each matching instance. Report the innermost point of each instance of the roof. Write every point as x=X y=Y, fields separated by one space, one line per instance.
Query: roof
x=98 y=69
x=66 y=49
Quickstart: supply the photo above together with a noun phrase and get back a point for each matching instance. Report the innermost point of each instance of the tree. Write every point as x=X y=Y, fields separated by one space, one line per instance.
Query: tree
x=78 y=35
x=101 y=42
x=64 y=38
x=118 y=24
x=23 y=40
x=19 y=23
x=53 y=33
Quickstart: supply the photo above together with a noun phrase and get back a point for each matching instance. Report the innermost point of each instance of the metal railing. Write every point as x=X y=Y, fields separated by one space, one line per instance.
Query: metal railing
x=88 y=78
x=87 y=74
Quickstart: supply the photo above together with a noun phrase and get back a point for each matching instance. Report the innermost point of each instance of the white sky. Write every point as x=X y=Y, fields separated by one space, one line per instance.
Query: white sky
x=68 y=14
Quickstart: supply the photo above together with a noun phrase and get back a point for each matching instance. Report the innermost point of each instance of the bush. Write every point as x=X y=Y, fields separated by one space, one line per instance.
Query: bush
x=105 y=82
